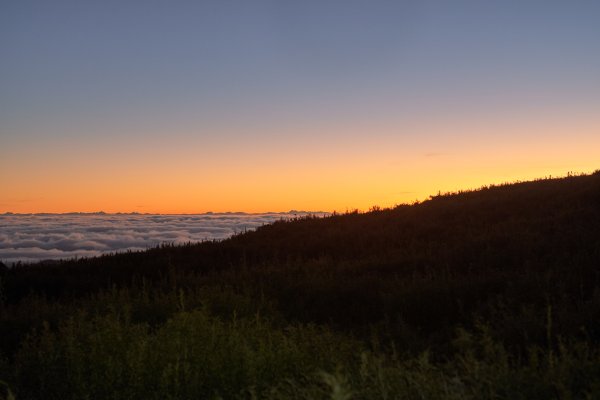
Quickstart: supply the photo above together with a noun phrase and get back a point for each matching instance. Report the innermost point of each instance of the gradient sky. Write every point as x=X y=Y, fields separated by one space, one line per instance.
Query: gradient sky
x=193 y=106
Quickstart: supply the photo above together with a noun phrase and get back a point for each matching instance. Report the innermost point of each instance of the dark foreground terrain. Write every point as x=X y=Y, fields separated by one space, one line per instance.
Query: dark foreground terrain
x=486 y=294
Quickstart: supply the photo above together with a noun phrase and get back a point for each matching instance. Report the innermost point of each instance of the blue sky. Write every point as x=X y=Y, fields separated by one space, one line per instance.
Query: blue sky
x=258 y=78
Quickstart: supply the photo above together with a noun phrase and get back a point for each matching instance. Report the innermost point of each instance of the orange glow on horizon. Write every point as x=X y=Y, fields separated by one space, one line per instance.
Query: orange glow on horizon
x=349 y=171
x=276 y=193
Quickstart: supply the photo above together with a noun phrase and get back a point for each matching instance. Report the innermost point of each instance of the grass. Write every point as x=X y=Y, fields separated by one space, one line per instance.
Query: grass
x=195 y=354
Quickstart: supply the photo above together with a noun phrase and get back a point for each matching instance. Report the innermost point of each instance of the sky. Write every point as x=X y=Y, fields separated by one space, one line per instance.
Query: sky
x=256 y=106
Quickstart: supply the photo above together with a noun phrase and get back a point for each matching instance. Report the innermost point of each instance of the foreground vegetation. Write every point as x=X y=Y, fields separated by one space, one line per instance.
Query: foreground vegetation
x=486 y=294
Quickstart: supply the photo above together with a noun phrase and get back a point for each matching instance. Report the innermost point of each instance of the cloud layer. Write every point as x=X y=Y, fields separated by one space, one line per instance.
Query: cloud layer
x=35 y=237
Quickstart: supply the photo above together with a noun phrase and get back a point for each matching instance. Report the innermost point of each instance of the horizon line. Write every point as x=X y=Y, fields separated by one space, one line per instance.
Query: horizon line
x=569 y=174
x=158 y=213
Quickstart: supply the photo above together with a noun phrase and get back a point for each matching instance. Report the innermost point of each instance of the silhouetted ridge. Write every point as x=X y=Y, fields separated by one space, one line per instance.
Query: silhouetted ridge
x=501 y=253
x=527 y=222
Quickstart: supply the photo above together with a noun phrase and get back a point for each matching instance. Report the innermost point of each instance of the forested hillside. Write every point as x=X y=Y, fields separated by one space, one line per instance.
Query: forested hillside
x=491 y=293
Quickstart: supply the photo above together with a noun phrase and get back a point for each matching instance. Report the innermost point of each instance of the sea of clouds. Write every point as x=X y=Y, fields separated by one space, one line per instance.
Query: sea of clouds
x=36 y=237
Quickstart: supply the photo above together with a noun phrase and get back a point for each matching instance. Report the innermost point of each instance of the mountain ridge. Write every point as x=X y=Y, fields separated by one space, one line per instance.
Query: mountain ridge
x=502 y=281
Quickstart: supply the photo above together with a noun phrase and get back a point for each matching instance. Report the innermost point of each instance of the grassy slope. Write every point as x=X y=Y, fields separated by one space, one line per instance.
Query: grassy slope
x=520 y=264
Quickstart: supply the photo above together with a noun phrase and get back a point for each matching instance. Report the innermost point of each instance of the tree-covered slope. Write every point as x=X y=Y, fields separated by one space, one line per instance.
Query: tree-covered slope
x=489 y=276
